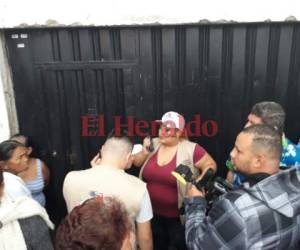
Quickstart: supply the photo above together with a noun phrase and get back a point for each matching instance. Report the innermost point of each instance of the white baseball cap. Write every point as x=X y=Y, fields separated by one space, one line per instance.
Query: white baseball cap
x=172 y=119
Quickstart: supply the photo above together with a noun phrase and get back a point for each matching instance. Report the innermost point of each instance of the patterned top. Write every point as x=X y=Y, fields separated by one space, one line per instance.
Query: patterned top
x=290 y=154
x=264 y=216
x=36 y=186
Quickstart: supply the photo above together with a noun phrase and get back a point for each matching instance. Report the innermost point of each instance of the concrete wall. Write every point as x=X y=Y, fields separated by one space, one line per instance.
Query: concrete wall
x=114 y=12
x=8 y=116
x=4 y=129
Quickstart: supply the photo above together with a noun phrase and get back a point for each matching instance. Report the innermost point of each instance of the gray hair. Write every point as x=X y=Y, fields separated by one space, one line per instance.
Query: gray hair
x=271 y=113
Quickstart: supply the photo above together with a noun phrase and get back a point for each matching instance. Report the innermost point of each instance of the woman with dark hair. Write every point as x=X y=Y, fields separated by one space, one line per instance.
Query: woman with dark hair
x=99 y=223
x=24 y=224
x=13 y=157
x=36 y=175
x=13 y=160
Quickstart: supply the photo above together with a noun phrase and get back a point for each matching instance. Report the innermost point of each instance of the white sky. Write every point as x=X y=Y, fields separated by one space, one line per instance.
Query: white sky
x=114 y=12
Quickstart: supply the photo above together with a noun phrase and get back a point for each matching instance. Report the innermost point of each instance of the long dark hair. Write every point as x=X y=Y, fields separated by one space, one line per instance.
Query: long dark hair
x=7 y=148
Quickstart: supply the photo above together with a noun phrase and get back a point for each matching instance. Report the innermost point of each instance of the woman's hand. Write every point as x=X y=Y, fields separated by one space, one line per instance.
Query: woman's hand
x=140 y=158
x=147 y=145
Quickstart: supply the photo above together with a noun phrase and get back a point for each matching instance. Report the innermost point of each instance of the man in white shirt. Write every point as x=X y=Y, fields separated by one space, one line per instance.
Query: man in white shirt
x=108 y=178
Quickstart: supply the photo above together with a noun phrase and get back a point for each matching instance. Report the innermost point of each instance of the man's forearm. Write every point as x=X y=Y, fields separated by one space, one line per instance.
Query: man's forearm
x=145 y=244
x=195 y=209
x=144 y=235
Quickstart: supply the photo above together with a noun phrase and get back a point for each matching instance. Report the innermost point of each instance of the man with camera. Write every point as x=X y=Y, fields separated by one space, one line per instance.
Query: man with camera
x=263 y=213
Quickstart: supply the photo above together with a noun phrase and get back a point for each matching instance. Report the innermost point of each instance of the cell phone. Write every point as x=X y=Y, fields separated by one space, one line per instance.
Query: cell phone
x=150 y=147
x=136 y=149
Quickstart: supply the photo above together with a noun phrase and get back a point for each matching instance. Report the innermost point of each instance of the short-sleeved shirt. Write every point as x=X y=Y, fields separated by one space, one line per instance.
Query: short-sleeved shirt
x=145 y=214
x=162 y=185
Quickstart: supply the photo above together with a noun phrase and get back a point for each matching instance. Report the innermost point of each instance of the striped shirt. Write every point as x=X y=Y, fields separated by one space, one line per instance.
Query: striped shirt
x=36 y=186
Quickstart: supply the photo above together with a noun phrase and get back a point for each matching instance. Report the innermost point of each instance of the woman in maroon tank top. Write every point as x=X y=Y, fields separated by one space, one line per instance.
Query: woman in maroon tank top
x=162 y=186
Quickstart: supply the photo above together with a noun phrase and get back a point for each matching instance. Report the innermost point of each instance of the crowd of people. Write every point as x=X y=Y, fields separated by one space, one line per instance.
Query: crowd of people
x=111 y=209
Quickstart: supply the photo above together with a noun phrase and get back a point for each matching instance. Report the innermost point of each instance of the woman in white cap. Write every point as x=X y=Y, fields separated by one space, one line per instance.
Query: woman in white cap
x=170 y=150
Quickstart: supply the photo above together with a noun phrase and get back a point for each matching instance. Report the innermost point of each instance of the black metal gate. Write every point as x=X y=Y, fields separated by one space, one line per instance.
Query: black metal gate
x=217 y=72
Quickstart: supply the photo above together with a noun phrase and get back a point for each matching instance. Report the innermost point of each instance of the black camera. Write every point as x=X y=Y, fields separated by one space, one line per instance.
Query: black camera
x=216 y=188
x=211 y=185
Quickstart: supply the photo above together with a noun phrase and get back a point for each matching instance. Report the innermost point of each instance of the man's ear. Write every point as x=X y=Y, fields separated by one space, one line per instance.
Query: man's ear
x=129 y=160
x=128 y=157
x=29 y=151
x=102 y=149
x=259 y=161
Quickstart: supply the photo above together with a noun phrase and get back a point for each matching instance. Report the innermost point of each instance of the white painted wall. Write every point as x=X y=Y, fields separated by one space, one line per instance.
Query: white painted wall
x=113 y=12
x=4 y=123
x=4 y=128
x=8 y=114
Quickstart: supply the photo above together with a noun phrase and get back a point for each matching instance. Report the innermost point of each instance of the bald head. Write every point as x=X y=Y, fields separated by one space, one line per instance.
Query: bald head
x=117 y=148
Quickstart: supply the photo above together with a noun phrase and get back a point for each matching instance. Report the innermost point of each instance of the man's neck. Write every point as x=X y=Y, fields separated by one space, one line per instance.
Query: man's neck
x=111 y=163
x=255 y=178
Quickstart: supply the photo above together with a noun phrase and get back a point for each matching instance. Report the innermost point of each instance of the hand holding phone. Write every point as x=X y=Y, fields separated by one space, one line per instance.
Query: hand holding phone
x=148 y=145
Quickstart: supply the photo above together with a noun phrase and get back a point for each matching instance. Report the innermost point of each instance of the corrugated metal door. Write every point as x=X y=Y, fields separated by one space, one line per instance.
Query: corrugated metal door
x=215 y=71
x=62 y=76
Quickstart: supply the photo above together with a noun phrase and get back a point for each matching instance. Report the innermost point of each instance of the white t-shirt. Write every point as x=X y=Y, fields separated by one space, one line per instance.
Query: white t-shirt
x=14 y=186
x=145 y=214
